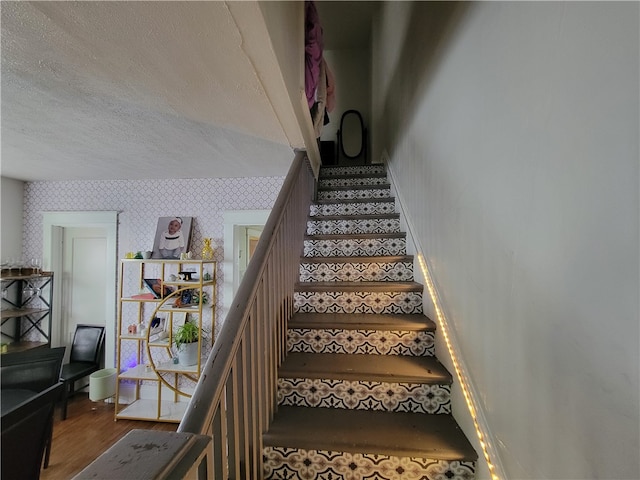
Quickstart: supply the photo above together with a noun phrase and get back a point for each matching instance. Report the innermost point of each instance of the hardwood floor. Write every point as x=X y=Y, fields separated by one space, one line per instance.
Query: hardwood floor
x=88 y=431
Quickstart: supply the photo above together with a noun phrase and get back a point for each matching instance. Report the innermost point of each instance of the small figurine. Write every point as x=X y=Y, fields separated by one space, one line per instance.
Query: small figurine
x=207 y=250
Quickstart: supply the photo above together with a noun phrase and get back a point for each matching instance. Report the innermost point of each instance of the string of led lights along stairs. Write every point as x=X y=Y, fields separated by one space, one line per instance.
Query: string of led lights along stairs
x=463 y=383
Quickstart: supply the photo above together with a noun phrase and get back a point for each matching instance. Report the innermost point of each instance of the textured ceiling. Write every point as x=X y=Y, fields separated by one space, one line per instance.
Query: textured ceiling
x=133 y=90
x=112 y=90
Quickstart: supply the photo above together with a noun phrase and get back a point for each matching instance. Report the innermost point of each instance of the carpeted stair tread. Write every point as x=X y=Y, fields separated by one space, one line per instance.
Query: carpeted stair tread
x=363 y=321
x=358 y=287
x=367 y=368
x=379 y=259
x=376 y=432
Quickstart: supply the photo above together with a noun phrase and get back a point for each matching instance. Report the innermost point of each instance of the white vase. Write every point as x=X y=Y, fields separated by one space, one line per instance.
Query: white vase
x=188 y=354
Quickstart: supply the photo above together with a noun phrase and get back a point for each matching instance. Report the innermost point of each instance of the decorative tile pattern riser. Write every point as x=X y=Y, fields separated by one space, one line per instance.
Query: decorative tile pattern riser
x=372 y=342
x=353 y=226
x=357 y=302
x=369 y=208
x=283 y=463
x=361 y=395
x=352 y=182
x=353 y=170
x=352 y=272
x=355 y=247
x=354 y=194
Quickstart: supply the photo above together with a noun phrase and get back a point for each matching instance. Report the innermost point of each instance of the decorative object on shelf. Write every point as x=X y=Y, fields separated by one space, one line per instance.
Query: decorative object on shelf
x=154 y=285
x=186 y=342
x=147 y=254
x=195 y=297
x=186 y=276
x=132 y=329
x=173 y=236
x=207 y=250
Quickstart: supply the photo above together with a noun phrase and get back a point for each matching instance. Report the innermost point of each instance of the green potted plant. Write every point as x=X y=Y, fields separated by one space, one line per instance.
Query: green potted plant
x=186 y=341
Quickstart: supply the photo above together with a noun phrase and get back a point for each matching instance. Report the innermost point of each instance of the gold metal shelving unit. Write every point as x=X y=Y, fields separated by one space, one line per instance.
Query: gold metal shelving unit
x=146 y=327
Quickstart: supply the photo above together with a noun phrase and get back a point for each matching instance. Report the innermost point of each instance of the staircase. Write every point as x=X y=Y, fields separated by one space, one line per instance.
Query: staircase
x=360 y=392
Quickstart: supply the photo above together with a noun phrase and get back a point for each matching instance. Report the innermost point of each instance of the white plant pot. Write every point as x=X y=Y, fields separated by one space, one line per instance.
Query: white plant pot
x=188 y=354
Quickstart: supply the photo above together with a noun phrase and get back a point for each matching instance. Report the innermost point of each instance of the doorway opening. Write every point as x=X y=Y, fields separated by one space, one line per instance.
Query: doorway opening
x=242 y=229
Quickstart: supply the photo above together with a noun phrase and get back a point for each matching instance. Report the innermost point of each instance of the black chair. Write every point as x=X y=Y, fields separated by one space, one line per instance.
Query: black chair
x=36 y=369
x=30 y=370
x=86 y=348
x=25 y=433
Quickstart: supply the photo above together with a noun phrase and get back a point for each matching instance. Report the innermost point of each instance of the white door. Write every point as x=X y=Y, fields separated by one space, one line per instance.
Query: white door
x=84 y=287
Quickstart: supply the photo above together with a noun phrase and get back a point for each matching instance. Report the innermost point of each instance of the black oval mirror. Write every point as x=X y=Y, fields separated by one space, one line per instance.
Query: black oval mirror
x=352 y=134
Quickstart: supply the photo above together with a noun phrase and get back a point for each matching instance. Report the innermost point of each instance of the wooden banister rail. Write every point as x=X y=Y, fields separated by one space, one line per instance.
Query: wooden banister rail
x=235 y=398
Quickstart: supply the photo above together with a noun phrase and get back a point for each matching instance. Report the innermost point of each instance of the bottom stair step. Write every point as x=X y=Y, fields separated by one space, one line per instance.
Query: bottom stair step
x=362 y=431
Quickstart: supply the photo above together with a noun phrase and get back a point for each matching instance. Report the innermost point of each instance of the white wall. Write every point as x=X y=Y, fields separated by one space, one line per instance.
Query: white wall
x=512 y=131
x=11 y=218
x=352 y=72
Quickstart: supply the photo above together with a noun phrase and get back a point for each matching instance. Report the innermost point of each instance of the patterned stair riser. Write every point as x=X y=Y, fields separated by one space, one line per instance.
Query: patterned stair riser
x=368 y=208
x=352 y=182
x=356 y=194
x=373 y=342
x=356 y=272
x=288 y=463
x=358 y=302
x=361 y=395
x=353 y=226
x=358 y=247
x=354 y=170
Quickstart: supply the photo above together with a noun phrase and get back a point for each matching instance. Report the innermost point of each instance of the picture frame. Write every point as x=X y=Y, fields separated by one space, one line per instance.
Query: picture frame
x=173 y=237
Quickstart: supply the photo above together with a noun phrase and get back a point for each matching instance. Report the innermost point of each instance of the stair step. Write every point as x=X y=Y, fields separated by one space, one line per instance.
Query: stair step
x=370 y=169
x=357 y=431
x=382 y=368
x=356 y=224
x=358 y=297
x=385 y=382
x=361 y=333
x=381 y=206
x=353 y=181
x=382 y=268
x=359 y=287
x=363 y=321
x=352 y=193
x=355 y=245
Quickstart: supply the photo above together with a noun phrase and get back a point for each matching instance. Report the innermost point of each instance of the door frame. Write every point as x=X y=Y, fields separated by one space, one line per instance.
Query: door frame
x=53 y=224
x=231 y=220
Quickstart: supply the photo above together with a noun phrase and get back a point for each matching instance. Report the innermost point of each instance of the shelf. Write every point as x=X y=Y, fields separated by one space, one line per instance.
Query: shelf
x=170 y=367
x=139 y=372
x=143 y=409
x=140 y=300
x=26 y=277
x=21 y=312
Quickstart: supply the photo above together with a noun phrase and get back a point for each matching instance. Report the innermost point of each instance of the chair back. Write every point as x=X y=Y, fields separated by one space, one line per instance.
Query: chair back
x=87 y=344
x=25 y=431
x=35 y=369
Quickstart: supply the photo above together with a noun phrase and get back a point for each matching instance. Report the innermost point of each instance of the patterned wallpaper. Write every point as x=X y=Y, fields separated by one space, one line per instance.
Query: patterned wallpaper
x=142 y=202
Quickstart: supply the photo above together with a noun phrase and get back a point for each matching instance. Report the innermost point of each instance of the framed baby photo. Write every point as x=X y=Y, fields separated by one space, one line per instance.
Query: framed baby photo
x=173 y=236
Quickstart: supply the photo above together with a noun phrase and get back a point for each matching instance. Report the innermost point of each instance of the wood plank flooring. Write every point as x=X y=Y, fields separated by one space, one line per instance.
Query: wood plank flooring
x=87 y=432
